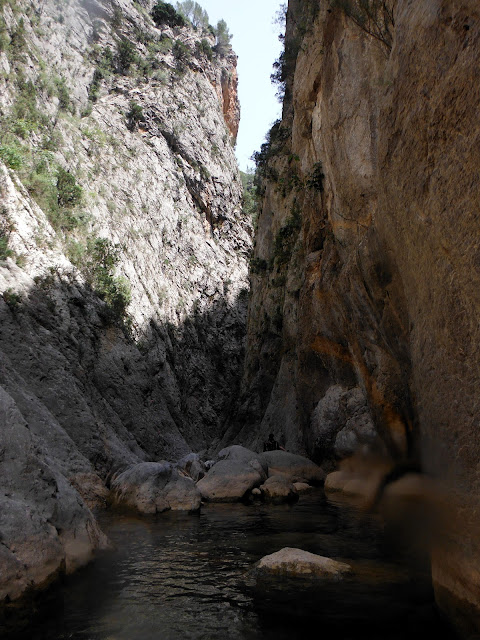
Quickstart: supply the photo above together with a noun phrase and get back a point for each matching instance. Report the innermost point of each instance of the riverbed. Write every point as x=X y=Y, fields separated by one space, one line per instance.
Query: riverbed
x=178 y=576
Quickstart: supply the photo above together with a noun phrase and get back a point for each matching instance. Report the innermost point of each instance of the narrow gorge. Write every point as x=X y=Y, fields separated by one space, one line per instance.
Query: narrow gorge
x=146 y=326
x=124 y=266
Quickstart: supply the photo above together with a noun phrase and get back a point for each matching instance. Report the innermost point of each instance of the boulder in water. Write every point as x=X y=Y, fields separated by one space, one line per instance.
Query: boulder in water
x=279 y=490
x=244 y=455
x=233 y=477
x=302 y=487
x=336 y=481
x=153 y=487
x=296 y=563
x=294 y=467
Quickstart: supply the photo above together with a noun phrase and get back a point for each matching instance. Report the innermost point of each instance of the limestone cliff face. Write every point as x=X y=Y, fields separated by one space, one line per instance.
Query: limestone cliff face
x=229 y=94
x=123 y=263
x=363 y=323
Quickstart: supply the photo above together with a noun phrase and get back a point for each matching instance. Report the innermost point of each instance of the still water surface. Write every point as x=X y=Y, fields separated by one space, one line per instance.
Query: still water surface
x=179 y=576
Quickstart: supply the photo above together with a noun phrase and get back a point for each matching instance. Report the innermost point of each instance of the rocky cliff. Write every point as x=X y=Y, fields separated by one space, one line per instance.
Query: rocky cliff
x=363 y=327
x=123 y=263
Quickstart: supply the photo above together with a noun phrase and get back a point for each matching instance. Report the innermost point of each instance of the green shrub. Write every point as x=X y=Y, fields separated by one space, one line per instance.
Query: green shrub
x=69 y=192
x=17 y=39
x=63 y=94
x=52 y=141
x=134 y=116
x=41 y=187
x=274 y=141
x=286 y=237
x=25 y=106
x=164 y=45
x=102 y=258
x=182 y=55
x=316 y=178
x=250 y=201
x=203 y=48
x=165 y=13
x=94 y=86
x=6 y=228
x=5 y=252
x=75 y=252
x=11 y=298
x=125 y=55
x=117 y=18
x=22 y=128
x=63 y=219
x=11 y=156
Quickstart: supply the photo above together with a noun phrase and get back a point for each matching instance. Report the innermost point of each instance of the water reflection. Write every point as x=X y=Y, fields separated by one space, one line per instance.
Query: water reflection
x=177 y=576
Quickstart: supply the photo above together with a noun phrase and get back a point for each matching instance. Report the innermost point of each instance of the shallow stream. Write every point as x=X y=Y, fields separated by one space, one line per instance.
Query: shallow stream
x=179 y=576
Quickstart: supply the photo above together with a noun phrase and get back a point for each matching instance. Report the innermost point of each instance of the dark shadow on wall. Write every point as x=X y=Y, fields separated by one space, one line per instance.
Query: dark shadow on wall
x=66 y=360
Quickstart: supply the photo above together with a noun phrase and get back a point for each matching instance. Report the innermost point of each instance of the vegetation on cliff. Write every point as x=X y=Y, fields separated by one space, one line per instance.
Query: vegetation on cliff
x=123 y=258
x=374 y=17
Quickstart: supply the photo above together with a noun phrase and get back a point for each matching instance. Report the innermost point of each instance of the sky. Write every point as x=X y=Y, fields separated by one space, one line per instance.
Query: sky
x=255 y=41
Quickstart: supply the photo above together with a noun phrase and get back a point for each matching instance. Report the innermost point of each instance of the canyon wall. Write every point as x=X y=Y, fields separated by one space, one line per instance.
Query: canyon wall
x=363 y=322
x=123 y=263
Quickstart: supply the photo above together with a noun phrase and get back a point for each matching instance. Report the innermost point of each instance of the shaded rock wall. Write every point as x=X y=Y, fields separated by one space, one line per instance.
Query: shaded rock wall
x=131 y=352
x=363 y=317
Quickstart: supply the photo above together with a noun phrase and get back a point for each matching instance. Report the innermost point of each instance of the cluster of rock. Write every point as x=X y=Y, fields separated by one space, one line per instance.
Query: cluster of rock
x=84 y=390
x=237 y=474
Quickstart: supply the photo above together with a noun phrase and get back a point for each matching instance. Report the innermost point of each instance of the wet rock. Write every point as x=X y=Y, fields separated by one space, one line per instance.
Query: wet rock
x=154 y=487
x=193 y=466
x=294 y=467
x=244 y=455
x=302 y=487
x=340 y=422
x=301 y=583
x=45 y=527
x=355 y=486
x=296 y=563
x=166 y=198
x=279 y=490
x=93 y=491
x=231 y=478
x=336 y=481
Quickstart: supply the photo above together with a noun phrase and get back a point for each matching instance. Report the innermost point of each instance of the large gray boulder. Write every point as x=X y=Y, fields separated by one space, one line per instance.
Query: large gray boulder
x=45 y=526
x=154 y=487
x=279 y=490
x=246 y=456
x=294 y=467
x=232 y=478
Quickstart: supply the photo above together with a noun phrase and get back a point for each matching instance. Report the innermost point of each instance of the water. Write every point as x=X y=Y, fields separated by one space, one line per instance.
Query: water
x=179 y=576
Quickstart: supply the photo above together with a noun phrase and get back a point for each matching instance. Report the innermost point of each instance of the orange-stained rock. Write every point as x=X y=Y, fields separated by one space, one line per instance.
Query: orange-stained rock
x=363 y=321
